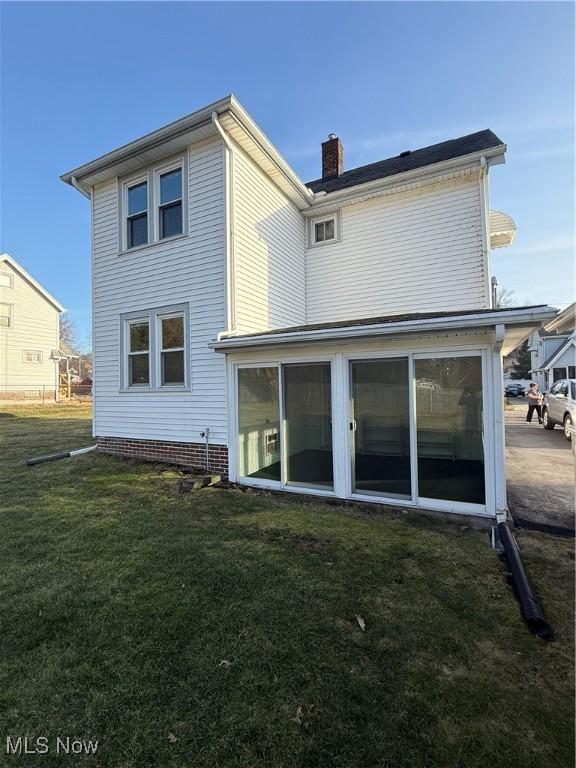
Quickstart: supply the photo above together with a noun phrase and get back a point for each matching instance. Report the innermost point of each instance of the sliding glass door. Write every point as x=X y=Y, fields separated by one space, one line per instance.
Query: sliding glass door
x=308 y=424
x=259 y=423
x=285 y=424
x=449 y=419
x=380 y=402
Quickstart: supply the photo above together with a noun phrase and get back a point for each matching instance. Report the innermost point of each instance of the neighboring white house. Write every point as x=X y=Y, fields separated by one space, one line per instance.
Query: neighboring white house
x=335 y=337
x=553 y=349
x=29 y=335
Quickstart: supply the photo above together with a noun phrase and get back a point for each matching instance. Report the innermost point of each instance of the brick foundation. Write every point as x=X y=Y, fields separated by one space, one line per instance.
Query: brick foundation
x=190 y=454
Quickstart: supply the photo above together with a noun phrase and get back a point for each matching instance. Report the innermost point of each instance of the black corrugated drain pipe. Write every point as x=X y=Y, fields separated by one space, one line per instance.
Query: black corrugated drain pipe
x=531 y=608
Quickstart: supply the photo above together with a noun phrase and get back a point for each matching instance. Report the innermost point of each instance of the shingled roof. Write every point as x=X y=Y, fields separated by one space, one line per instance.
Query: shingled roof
x=408 y=161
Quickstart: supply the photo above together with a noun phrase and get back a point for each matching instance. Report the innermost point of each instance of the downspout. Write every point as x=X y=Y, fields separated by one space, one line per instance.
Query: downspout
x=76 y=185
x=485 y=225
x=230 y=231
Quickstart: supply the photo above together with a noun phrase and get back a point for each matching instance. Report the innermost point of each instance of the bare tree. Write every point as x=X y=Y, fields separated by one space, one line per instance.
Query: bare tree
x=69 y=333
x=504 y=297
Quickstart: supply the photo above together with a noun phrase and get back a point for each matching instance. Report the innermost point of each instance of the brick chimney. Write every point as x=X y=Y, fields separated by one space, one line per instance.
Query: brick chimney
x=332 y=157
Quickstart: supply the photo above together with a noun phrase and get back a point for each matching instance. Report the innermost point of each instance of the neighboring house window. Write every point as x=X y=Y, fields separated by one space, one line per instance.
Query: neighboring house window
x=170 y=203
x=572 y=371
x=138 y=353
x=137 y=215
x=558 y=373
x=154 y=205
x=31 y=356
x=5 y=280
x=6 y=315
x=156 y=344
x=172 y=349
x=324 y=230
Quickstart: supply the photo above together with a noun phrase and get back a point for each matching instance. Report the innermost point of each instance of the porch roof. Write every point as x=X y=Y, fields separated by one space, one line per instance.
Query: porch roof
x=524 y=320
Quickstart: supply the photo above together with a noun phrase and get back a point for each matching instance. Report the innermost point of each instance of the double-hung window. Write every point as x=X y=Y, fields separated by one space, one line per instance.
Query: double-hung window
x=5 y=315
x=139 y=353
x=156 y=348
x=170 y=203
x=137 y=218
x=172 y=349
x=154 y=205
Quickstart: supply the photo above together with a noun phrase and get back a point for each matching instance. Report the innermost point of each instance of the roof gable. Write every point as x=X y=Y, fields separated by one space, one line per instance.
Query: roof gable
x=5 y=258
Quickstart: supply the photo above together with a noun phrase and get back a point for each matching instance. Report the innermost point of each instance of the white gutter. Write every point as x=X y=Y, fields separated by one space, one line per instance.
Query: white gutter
x=528 y=316
x=230 y=229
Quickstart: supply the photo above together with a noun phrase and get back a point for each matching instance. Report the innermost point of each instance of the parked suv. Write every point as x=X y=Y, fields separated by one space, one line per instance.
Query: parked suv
x=515 y=390
x=560 y=406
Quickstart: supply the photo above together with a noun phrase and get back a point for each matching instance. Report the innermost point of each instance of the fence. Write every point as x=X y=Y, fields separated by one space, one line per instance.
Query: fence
x=43 y=393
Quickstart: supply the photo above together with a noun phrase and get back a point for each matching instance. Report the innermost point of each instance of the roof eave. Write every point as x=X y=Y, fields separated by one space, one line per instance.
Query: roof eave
x=5 y=257
x=526 y=317
x=494 y=156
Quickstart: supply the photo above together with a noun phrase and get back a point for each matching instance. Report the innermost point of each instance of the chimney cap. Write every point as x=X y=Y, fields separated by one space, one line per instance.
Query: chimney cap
x=332 y=136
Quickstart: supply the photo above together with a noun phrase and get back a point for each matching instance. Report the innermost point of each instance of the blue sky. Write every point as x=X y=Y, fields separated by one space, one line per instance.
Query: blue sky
x=79 y=79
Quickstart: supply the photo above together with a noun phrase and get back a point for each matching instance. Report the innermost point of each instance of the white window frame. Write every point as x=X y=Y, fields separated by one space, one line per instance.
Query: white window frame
x=154 y=319
x=37 y=352
x=158 y=172
x=159 y=318
x=10 y=314
x=128 y=325
x=10 y=277
x=152 y=177
x=312 y=242
x=126 y=186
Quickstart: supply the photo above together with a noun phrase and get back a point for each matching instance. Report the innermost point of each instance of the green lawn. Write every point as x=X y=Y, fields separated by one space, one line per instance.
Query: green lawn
x=218 y=629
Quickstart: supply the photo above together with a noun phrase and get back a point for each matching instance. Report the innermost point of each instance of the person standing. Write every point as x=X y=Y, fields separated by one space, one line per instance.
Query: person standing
x=535 y=398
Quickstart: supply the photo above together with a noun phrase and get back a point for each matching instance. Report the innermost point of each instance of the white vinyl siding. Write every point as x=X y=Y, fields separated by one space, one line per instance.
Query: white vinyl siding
x=34 y=328
x=415 y=251
x=269 y=252
x=188 y=270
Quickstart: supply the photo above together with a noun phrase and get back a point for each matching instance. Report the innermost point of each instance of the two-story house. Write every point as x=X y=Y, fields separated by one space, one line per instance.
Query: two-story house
x=553 y=349
x=29 y=335
x=335 y=337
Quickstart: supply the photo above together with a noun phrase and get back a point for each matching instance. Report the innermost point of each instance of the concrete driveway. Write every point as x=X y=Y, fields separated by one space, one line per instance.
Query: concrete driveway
x=540 y=470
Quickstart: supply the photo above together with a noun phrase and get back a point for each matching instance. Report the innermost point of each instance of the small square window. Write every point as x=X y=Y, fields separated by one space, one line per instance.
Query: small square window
x=324 y=231
x=32 y=356
x=5 y=280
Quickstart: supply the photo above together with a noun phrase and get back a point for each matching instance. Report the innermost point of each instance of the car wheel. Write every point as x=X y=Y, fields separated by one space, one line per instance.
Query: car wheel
x=568 y=427
x=547 y=421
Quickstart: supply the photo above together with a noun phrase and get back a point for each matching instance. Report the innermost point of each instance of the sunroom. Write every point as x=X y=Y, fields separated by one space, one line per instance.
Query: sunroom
x=398 y=410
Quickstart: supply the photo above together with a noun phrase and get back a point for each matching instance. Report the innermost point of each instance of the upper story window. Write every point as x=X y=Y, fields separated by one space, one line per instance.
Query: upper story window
x=170 y=208
x=6 y=280
x=137 y=218
x=153 y=205
x=324 y=230
x=5 y=315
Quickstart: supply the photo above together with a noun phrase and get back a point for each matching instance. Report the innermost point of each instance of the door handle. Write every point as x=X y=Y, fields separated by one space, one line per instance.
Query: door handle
x=353 y=425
